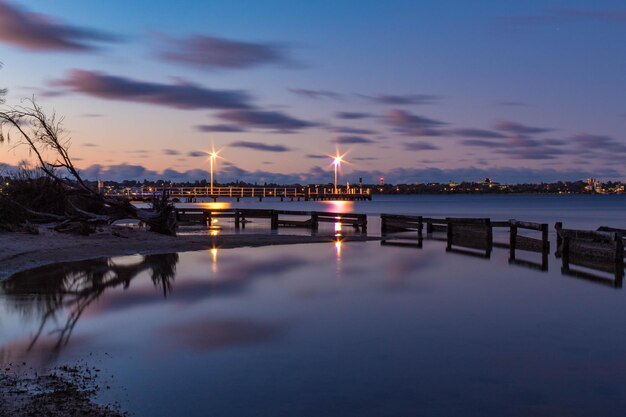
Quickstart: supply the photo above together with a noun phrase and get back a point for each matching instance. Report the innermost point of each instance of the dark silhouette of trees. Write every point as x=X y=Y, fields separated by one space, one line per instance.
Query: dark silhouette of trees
x=62 y=194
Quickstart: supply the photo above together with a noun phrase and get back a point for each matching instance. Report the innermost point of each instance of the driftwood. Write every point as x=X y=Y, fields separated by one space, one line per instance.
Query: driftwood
x=55 y=191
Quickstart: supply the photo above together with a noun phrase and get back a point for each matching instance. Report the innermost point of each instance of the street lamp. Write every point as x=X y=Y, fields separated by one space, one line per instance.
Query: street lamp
x=336 y=162
x=212 y=157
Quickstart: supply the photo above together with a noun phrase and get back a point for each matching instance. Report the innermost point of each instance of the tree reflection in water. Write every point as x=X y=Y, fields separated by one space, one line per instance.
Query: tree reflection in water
x=71 y=287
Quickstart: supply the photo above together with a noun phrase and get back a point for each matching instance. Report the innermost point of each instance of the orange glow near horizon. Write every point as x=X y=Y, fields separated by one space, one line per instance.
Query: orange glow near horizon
x=339 y=206
x=216 y=205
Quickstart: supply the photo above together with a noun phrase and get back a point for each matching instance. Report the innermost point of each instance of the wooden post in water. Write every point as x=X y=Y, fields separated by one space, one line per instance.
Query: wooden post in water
x=237 y=220
x=274 y=220
x=314 y=221
x=512 y=239
x=544 y=238
x=420 y=226
x=559 y=239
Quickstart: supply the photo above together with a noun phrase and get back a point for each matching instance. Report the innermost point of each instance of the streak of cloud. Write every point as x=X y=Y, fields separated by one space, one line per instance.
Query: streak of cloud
x=258 y=146
x=37 y=32
x=205 y=51
x=181 y=95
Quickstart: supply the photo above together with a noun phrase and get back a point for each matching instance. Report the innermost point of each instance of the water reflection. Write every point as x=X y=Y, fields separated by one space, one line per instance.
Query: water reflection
x=56 y=297
x=214 y=260
x=338 y=206
x=213 y=206
x=591 y=269
x=237 y=342
x=474 y=246
x=70 y=288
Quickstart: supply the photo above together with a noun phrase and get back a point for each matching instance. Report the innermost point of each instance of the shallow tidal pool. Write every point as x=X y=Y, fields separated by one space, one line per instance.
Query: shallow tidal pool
x=332 y=329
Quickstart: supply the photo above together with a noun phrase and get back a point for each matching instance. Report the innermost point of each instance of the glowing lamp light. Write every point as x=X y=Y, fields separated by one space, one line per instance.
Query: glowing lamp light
x=337 y=160
x=212 y=157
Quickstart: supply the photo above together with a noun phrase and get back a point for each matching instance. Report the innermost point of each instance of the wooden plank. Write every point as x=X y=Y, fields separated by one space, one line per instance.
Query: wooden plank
x=439 y=228
x=620 y=232
x=528 y=225
x=401 y=217
x=587 y=235
x=294 y=223
x=500 y=224
x=472 y=221
x=529 y=244
x=403 y=225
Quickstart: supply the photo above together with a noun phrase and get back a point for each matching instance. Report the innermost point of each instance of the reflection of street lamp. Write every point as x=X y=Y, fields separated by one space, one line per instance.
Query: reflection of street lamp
x=212 y=157
x=336 y=163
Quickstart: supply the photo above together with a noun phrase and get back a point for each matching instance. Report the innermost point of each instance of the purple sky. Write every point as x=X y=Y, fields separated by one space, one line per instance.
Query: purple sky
x=412 y=91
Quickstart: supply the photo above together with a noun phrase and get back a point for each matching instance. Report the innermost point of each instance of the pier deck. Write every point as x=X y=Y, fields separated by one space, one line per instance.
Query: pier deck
x=191 y=194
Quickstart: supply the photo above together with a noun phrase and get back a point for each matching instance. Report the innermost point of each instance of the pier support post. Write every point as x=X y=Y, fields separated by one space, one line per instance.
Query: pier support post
x=419 y=227
x=314 y=221
x=545 y=242
x=512 y=240
x=559 y=240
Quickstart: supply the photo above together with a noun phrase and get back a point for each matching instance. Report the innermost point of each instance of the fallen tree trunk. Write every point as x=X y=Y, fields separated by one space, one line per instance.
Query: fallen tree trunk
x=56 y=192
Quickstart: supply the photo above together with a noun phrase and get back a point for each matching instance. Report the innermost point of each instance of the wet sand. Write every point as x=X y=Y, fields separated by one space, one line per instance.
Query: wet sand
x=60 y=391
x=24 y=251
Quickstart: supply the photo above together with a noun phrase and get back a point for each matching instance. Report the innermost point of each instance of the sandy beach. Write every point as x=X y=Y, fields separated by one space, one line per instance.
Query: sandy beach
x=24 y=251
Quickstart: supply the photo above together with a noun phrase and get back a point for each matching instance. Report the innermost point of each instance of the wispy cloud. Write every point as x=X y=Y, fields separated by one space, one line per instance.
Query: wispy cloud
x=400 y=100
x=353 y=130
x=316 y=156
x=37 y=32
x=273 y=120
x=180 y=95
x=197 y=154
x=412 y=124
x=477 y=133
x=316 y=94
x=352 y=115
x=170 y=152
x=420 y=146
x=214 y=52
x=595 y=143
x=258 y=146
x=349 y=140
x=520 y=129
x=220 y=128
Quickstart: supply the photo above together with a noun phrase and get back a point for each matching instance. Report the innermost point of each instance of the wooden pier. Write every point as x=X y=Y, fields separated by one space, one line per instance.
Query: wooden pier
x=191 y=194
x=467 y=233
x=277 y=218
x=601 y=250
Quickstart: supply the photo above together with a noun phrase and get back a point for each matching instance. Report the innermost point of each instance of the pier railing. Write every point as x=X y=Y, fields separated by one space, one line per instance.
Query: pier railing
x=192 y=193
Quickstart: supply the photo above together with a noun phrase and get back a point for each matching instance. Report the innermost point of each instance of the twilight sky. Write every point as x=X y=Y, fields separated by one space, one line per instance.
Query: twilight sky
x=412 y=91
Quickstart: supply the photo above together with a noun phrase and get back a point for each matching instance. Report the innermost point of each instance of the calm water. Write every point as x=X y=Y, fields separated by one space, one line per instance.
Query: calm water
x=337 y=329
x=575 y=211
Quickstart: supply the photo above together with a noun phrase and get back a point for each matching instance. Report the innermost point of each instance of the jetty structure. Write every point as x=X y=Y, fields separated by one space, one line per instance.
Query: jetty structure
x=193 y=194
x=598 y=250
x=277 y=218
